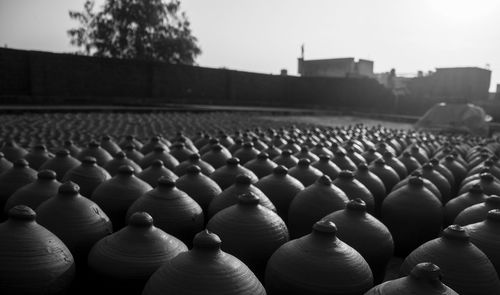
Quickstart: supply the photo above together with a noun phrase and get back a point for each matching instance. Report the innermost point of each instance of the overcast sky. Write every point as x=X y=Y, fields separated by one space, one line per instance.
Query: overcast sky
x=265 y=35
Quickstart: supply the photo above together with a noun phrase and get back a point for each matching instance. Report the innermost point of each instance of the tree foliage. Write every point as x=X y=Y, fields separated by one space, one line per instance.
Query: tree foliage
x=140 y=29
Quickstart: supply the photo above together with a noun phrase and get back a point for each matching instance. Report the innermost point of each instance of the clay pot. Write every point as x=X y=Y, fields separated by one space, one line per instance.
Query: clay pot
x=292 y=146
x=259 y=144
x=424 y=278
x=312 y=204
x=305 y=173
x=61 y=163
x=205 y=269
x=409 y=161
x=489 y=184
x=344 y=162
x=475 y=195
x=419 y=154
x=4 y=163
x=95 y=150
x=486 y=236
x=319 y=149
x=280 y=188
x=427 y=184
x=155 y=171
x=465 y=268
x=12 y=151
x=326 y=166
x=355 y=157
x=133 y=154
x=246 y=153
x=371 y=155
x=125 y=260
x=119 y=160
x=225 y=176
x=365 y=234
x=225 y=140
x=395 y=164
x=286 y=159
x=438 y=180
x=130 y=140
x=72 y=148
x=33 y=194
x=159 y=153
x=374 y=184
x=202 y=140
x=388 y=176
x=173 y=210
x=38 y=156
x=304 y=153
x=13 y=179
x=250 y=231
x=88 y=176
x=261 y=166
x=229 y=196
x=217 y=156
x=76 y=220
x=446 y=173
x=355 y=189
x=318 y=263
x=180 y=151
x=413 y=215
x=214 y=141
x=479 y=212
x=194 y=159
x=180 y=137
x=110 y=145
x=115 y=195
x=153 y=142
x=32 y=259
x=273 y=151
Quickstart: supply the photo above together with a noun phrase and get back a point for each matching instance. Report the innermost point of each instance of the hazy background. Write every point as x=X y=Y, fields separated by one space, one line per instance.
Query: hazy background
x=265 y=35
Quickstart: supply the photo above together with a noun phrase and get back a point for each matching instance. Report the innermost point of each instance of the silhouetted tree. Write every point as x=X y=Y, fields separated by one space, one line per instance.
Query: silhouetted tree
x=140 y=29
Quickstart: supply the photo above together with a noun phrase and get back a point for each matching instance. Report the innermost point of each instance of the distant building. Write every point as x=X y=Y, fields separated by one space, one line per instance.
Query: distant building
x=336 y=67
x=497 y=94
x=452 y=84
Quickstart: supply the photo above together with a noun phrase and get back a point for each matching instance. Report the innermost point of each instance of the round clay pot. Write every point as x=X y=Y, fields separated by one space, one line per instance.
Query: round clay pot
x=312 y=204
x=424 y=278
x=194 y=159
x=409 y=161
x=465 y=268
x=286 y=159
x=229 y=196
x=76 y=220
x=261 y=166
x=419 y=154
x=159 y=153
x=4 y=163
x=438 y=180
x=133 y=154
x=304 y=153
x=115 y=195
x=474 y=196
x=174 y=211
x=413 y=215
x=72 y=148
x=180 y=151
x=131 y=140
x=250 y=231
x=374 y=184
x=152 y=144
x=13 y=179
x=395 y=164
x=246 y=153
x=319 y=149
x=318 y=263
x=119 y=160
x=123 y=261
x=199 y=187
x=355 y=189
x=33 y=194
x=204 y=270
x=32 y=259
x=344 y=162
x=37 y=156
x=427 y=184
x=489 y=184
x=61 y=163
x=273 y=151
x=371 y=155
x=388 y=176
x=292 y=146
x=95 y=150
x=440 y=168
x=486 y=236
x=155 y=171
x=280 y=188
x=217 y=156
x=366 y=234
x=110 y=145
x=326 y=166
x=479 y=212
x=225 y=176
x=88 y=176
x=305 y=173
x=12 y=151
x=355 y=157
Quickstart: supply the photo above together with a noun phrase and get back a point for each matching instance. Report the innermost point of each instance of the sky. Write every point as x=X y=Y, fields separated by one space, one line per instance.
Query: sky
x=265 y=36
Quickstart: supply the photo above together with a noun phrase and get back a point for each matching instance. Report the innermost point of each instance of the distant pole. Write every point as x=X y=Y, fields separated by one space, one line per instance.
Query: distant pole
x=302 y=51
